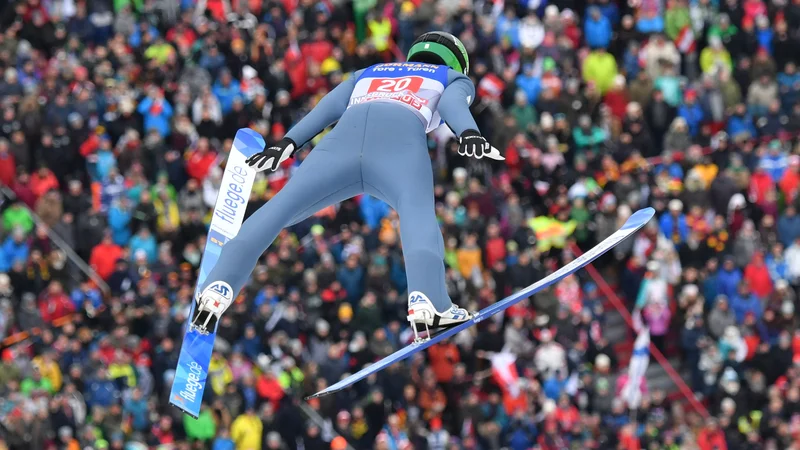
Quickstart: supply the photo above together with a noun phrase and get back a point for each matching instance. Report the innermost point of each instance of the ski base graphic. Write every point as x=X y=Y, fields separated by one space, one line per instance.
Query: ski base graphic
x=191 y=374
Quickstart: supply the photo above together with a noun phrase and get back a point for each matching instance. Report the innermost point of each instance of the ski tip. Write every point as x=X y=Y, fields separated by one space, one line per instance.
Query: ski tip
x=248 y=142
x=639 y=218
x=317 y=395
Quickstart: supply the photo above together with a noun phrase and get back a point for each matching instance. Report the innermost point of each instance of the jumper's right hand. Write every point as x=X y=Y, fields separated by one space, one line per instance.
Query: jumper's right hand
x=472 y=144
x=272 y=157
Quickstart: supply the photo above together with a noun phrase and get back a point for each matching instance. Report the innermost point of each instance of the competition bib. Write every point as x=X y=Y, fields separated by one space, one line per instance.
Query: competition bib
x=416 y=86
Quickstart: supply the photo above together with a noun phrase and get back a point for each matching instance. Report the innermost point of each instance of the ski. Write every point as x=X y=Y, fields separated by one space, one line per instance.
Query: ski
x=634 y=223
x=195 y=356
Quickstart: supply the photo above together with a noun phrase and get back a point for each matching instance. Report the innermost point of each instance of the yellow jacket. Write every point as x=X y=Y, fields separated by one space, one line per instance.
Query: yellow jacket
x=246 y=432
x=123 y=371
x=707 y=172
x=168 y=214
x=51 y=371
x=468 y=260
x=600 y=68
x=710 y=59
x=380 y=32
x=219 y=375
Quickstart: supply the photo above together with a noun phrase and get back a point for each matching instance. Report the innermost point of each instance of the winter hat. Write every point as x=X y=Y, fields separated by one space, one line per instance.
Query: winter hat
x=345 y=312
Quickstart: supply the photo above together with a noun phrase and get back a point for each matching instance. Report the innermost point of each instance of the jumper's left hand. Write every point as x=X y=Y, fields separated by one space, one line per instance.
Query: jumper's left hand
x=272 y=157
x=472 y=144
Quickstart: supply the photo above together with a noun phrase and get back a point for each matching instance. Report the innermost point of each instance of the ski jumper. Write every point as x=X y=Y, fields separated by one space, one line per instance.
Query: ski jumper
x=378 y=147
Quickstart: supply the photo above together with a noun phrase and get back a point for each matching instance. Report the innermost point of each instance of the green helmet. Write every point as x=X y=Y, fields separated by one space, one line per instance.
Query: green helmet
x=438 y=47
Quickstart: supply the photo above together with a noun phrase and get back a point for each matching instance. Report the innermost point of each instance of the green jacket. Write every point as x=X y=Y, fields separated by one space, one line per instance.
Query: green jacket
x=729 y=32
x=294 y=377
x=18 y=216
x=29 y=385
x=201 y=429
x=582 y=216
x=675 y=20
x=525 y=116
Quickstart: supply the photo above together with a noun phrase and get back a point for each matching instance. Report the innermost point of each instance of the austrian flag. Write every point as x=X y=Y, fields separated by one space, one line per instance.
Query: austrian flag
x=504 y=372
x=685 y=40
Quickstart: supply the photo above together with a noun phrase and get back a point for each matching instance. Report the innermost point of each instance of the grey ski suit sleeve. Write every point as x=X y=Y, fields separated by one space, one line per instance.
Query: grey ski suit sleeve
x=455 y=102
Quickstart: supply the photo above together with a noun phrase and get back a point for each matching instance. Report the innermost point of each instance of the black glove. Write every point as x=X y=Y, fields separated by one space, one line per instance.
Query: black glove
x=472 y=144
x=272 y=157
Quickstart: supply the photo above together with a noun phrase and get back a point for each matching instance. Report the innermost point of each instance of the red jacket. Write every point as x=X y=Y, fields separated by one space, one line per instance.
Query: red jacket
x=317 y=51
x=104 y=257
x=495 y=251
x=269 y=388
x=40 y=185
x=617 y=102
x=757 y=276
x=53 y=307
x=198 y=166
x=8 y=169
x=708 y=440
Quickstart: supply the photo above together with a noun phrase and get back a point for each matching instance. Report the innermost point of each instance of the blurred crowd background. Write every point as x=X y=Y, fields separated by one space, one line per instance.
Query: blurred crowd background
x=116 y=120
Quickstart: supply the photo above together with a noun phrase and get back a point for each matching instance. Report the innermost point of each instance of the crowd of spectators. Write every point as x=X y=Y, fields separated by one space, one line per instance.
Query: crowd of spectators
x=116 y=119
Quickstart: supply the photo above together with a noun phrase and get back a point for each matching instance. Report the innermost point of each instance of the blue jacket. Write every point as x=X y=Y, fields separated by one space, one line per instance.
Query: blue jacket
x=353 y=282
x=742 y=124
x=610 y=11
x=79 y=297
x=156 y=121
x=522 y=436
x=14 y=251
x=743 y=305
x=223 y=444
x=788 y=229
x=694 y=117
x=630 y=62
x=100 y=169
x=101 y=393
x=226 y=94
x=764 y=38
x=373 y=210
x=710 y=289
x=598 y=32
x=531 y=85
x=667 y=225
x=553 y=387
x=508 y=29
x=136 y=37
x=728 y=282
x=777 y=268
x=212 y=63
x=138 y=411
x=250 y=347
x=149 y=245
x=775 y=165
x=119 y=220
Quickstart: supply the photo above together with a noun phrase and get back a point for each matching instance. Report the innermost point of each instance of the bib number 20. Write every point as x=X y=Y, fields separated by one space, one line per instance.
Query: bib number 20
x=396 y=84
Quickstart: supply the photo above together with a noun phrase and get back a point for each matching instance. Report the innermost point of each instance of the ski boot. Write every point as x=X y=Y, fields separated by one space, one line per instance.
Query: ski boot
x=211 y=303
x=421 y=311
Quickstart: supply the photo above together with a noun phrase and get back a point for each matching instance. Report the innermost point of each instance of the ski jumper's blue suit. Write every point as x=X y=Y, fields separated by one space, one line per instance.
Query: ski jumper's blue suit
x=379 y=147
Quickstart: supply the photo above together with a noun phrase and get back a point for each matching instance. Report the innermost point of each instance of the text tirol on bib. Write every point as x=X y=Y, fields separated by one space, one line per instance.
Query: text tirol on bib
x=417 y=86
